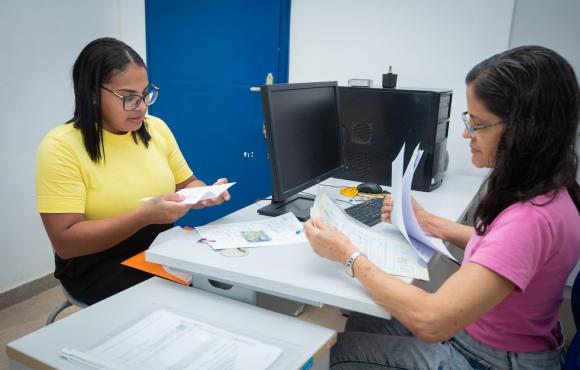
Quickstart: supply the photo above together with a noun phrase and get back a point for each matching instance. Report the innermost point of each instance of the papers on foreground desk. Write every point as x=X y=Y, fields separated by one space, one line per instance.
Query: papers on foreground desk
x=165 y=340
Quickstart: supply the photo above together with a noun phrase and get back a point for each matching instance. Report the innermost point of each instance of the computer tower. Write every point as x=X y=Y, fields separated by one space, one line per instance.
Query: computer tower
x=377 y=121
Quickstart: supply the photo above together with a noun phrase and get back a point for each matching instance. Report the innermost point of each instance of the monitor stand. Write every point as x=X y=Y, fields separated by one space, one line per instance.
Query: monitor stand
x=298 y=204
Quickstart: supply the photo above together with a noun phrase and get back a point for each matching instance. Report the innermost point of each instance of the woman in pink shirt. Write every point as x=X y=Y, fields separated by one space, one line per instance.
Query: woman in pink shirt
x=501 y=308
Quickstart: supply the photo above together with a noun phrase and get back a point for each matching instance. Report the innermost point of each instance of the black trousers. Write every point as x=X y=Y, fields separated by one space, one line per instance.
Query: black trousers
x=97 y=276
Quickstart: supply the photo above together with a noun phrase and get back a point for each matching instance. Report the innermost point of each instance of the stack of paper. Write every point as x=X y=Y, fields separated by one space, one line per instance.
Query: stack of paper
x=165 y=340
x=403 y=216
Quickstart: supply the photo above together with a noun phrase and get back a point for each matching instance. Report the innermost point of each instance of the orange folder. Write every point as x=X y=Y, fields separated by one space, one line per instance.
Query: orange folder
x=138 y=262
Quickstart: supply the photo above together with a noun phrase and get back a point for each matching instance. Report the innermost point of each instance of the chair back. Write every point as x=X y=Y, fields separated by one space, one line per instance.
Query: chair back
x=575 y=299
x=573 y=355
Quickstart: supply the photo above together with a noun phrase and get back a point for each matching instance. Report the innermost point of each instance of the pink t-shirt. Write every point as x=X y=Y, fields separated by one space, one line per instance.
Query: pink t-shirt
x=535 y=247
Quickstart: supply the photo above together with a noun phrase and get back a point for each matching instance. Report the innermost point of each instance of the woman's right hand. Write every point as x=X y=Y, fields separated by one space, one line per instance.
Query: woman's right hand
x=165 y=209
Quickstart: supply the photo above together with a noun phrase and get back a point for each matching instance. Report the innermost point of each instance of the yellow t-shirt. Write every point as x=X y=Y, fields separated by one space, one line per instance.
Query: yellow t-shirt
x=67 y=181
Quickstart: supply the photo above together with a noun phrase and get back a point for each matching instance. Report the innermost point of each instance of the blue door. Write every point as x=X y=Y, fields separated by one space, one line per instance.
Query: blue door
x=205 y=55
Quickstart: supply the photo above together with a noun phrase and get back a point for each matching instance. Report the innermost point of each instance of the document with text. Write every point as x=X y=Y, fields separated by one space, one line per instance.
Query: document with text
x=281 y=230
x=165 y=340
x=391 y=255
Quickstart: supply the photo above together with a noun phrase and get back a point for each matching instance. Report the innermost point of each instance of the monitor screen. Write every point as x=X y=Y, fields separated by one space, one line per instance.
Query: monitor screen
x=304 y=140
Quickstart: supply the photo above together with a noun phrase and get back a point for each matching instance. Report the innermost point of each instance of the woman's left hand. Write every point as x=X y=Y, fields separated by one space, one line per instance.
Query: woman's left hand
x=223 y=197
x=328 y=241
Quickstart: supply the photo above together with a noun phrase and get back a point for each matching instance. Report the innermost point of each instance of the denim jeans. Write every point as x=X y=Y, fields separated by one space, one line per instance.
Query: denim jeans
x=374 y=343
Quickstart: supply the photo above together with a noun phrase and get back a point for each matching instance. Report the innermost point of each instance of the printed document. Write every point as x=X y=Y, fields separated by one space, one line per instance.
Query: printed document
x=391 y=255
x=280 y=230
x=165 y=340
x=403 y=215
x=194 y=195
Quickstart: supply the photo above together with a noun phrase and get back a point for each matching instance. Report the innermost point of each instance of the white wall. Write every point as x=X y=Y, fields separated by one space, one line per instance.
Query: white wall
x=428 y=43
x=39 y=42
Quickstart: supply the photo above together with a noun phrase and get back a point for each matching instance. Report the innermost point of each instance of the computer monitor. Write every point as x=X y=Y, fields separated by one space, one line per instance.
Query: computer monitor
x=304 y=142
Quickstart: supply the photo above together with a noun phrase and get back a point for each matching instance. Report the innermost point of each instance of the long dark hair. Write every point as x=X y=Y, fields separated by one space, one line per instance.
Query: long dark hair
x=535 y=93
x=97 y=63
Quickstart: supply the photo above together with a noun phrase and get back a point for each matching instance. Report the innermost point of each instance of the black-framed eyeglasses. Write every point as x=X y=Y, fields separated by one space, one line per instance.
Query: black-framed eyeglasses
x=131 y=102
x=466 y=117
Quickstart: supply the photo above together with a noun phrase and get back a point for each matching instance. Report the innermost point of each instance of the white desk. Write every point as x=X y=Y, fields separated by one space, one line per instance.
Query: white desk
x=300 y=341
x=295 y=271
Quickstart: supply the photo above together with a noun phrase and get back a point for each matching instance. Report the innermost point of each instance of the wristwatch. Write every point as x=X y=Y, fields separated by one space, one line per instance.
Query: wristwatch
x=350 y=263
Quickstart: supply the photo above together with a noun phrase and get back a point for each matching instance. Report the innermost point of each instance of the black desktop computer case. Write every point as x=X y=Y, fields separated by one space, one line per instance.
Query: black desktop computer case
x=377 y=121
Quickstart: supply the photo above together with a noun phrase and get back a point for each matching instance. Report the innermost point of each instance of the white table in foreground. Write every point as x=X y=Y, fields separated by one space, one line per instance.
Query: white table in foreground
x=301 y=342
x=295 y=271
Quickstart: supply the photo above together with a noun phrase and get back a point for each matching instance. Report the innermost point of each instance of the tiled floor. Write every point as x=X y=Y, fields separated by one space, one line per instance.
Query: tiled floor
x=30 y=315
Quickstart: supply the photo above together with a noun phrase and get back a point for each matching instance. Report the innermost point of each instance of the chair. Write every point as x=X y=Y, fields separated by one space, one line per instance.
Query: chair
x=572 y=361
x=69 y=301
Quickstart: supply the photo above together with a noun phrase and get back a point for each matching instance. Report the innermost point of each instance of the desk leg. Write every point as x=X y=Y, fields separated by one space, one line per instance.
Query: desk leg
x=299 y=311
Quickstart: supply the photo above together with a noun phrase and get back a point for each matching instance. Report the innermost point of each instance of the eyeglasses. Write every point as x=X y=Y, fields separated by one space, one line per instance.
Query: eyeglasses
x=466 y=117
x=131 y=102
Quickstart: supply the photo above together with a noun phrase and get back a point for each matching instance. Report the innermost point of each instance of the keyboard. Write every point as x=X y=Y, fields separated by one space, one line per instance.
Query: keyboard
x=367 y=212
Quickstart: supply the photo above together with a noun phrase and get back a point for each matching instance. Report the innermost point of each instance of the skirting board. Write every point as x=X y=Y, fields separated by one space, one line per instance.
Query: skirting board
x=27 y=290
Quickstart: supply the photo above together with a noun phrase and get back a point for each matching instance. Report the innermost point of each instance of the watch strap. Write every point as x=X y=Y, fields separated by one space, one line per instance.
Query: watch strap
x=350 y=263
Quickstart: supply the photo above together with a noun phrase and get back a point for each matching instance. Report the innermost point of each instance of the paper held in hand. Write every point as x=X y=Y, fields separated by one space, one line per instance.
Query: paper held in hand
x=390 y=252
x=194 y=195
x=403 y=215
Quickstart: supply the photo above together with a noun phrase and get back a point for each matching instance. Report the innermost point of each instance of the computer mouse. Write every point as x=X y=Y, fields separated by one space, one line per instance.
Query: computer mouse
x=370 y=188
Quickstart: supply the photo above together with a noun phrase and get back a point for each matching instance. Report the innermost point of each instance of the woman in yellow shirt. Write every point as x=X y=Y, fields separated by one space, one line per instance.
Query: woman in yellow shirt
x=92 y=171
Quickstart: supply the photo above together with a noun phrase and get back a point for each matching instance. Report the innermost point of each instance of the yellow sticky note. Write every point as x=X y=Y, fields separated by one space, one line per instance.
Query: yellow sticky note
x=348 y=191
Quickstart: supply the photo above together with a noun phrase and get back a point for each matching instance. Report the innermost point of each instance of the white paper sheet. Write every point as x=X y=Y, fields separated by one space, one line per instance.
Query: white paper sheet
x=403 y=215
x=165 y=340
x=281 y=230
x=194 y=195
x=391 y=255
